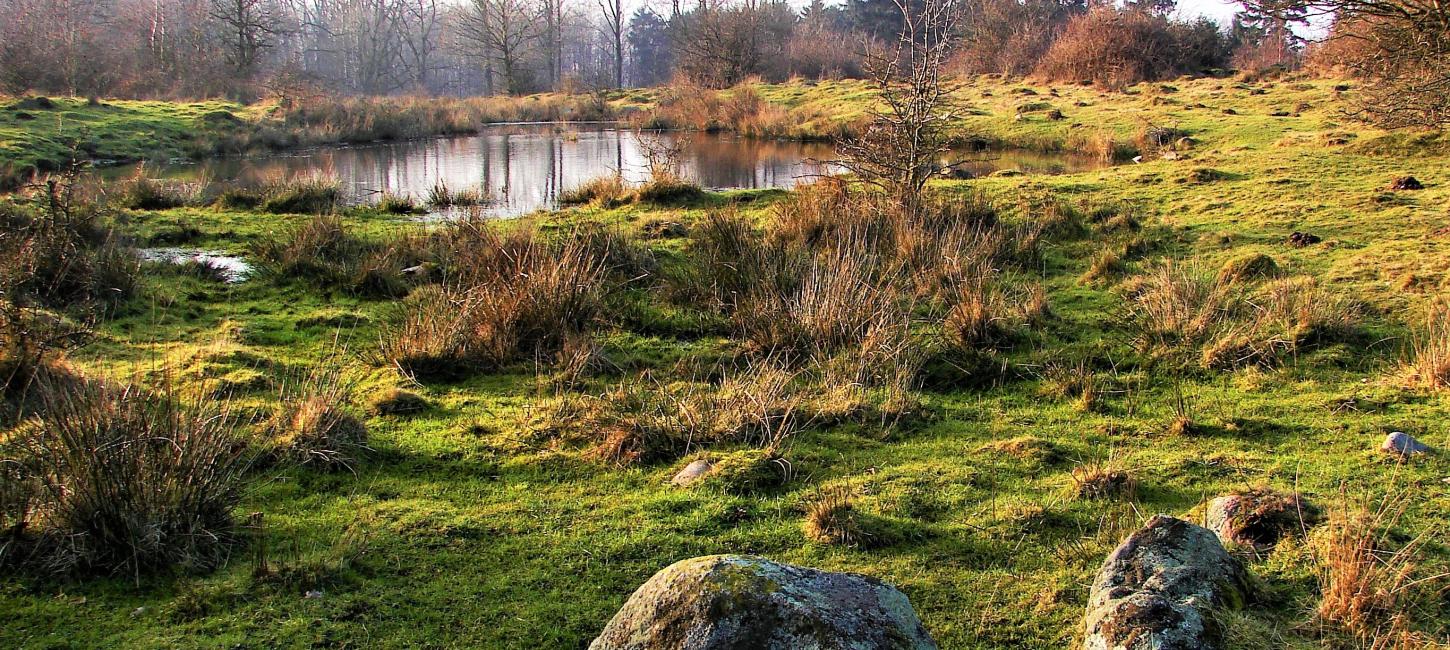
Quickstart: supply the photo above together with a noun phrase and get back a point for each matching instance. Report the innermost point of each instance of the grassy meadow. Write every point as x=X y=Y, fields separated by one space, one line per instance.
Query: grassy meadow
x=975 y=407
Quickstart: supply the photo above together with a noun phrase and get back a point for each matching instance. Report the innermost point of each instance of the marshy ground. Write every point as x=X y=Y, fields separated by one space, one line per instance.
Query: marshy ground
x=975 y=405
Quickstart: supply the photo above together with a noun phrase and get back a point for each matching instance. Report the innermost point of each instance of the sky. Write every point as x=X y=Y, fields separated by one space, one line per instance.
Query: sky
x=1220 y=11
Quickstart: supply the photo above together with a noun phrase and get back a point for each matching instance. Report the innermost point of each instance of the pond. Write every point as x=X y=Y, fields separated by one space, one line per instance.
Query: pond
x=525 y=167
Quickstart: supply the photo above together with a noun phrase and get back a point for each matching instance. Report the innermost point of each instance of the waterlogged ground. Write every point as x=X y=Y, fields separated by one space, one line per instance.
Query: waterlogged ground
x=462 y=530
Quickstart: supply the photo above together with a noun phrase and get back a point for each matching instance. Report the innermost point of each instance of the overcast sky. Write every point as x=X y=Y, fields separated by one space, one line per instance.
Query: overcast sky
x=1216 y=9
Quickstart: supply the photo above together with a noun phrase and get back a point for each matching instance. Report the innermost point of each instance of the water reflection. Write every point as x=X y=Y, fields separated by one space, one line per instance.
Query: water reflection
x=526 y=167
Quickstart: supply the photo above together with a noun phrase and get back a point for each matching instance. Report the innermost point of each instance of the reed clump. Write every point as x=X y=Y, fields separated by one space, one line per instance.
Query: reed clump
x=122 y=479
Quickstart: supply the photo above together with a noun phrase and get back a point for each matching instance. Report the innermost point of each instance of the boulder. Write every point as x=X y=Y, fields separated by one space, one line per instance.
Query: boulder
x=1258 y=519
x=1403 y=445
x=735 y=601
x=693 y=473
x=1156 y=590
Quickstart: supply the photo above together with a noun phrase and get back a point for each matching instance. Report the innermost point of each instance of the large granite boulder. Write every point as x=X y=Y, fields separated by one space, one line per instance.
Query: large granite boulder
x=735 y=601
x=1156 y=590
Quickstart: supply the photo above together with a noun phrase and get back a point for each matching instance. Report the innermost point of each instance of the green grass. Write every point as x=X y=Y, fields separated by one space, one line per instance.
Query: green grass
x=468 y=530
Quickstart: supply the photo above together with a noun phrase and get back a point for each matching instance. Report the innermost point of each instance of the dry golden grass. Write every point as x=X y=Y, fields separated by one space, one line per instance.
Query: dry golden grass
x=831 y=518
x=1429 y=360
x=1371 y=587
x=1108 y=479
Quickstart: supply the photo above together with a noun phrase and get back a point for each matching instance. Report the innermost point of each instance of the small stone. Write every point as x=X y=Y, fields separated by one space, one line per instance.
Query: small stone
x=1403 y=445
x=692 y=473
x=313 y=595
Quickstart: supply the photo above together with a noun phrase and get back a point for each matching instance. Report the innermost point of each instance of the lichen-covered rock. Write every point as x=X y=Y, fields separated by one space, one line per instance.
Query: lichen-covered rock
x=1258 y=519
x=735 y=601
x=1155 y=590
x=1403 y=444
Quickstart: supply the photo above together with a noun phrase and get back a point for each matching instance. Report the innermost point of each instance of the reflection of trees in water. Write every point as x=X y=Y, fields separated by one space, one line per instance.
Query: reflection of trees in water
x=527 y=167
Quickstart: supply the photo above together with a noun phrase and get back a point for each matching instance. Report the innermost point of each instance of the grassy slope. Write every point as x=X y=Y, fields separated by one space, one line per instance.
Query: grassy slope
x=40 y=137
x=475 y=537
x=36 y=137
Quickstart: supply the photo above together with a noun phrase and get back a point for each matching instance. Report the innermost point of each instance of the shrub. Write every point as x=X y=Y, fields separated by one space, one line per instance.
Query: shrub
x=60 y=253
x=127 y=479
x=1119 y=47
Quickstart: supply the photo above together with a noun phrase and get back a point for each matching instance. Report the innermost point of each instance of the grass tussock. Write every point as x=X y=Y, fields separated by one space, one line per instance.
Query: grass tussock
x=440 y=196
x=312 y=424
x=1428 y=364
x=142 y=193
x=324 y=251
x=509 y=297
x=605 y=192
x=123 y=479
x=1103 y=480
x=1373 y=588
x=1226 y=323
x=309 y=195
x=831 y=518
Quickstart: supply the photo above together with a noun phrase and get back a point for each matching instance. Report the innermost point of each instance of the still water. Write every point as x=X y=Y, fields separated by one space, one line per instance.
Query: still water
x=526 y=167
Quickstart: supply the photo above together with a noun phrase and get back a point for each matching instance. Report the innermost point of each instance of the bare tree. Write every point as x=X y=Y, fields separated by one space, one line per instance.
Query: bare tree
x=251 y=28
x=554 y=37
x=420 y=38
x=500 y=31
x=614 y=26
x=1401 y=46
x=900 y=147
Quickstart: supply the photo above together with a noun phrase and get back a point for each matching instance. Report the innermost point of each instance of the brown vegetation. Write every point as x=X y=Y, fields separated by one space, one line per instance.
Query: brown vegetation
x=1115 y=48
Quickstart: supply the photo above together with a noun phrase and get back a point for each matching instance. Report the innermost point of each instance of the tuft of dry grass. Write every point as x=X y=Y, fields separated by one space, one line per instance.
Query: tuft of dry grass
x=312 y=425
x=440 y=196
x=1104 y=480
x=831 y=518
x=1372 y=588
x=605 y=191
x=126 y=479
x=1429 y=358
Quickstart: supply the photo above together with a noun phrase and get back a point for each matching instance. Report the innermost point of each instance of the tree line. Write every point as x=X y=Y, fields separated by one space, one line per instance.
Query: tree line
x=248 y=49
